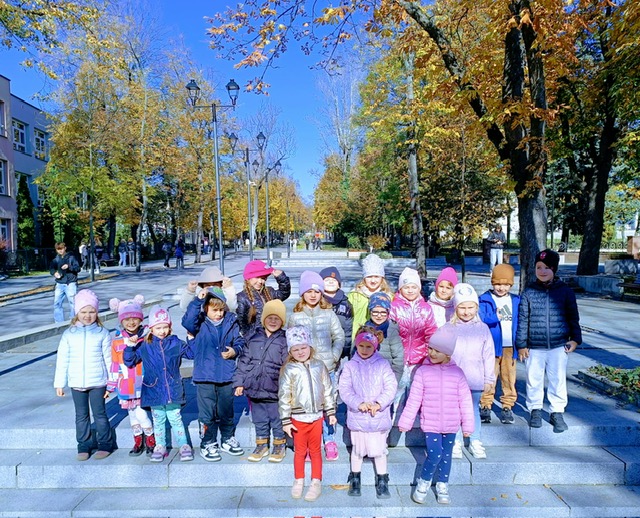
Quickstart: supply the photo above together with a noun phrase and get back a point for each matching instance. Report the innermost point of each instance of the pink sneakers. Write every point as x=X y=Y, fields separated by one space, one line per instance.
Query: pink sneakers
x=331 y=451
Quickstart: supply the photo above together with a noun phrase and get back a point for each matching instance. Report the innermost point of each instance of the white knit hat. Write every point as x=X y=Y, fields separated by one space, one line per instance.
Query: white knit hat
x=409 y=276
x=464 y=292
x=372 y=265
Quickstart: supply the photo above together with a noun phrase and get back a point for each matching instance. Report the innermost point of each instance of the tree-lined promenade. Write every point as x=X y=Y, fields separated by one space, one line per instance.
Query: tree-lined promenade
x=441 y=120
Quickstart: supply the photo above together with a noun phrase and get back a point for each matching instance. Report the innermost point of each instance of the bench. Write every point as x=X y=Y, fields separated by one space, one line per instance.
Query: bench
x=629 y=285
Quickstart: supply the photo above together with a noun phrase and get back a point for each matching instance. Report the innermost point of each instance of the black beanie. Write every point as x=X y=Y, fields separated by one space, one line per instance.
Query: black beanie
x=550 y=258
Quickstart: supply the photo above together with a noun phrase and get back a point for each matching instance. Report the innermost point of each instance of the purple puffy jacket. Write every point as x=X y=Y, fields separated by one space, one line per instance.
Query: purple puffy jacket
x=368 y=381
x=417 y=324
x=441 y=393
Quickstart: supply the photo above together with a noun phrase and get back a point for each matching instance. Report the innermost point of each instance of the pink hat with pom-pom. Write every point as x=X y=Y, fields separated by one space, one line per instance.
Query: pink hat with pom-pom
x=131 y=308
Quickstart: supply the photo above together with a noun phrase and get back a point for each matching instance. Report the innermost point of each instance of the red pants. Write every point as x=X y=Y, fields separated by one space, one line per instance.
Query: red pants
x=308 y=437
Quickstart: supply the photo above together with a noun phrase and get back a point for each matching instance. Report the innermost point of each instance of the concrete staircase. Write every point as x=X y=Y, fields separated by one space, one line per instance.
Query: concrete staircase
x=593 y=469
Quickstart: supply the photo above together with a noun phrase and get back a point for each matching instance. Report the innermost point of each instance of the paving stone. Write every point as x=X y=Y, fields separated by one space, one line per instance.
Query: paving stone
x=601 y=501
x=631 y=458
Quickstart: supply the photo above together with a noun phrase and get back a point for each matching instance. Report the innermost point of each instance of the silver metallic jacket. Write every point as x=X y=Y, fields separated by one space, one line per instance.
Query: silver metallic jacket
x=305 y=388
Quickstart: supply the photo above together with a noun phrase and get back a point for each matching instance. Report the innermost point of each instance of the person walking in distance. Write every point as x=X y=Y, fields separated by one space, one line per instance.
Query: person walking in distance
x=64 y=268
x=497 y=240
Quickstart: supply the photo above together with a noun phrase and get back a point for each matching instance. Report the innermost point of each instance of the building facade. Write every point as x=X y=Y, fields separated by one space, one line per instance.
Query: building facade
x=24 y=151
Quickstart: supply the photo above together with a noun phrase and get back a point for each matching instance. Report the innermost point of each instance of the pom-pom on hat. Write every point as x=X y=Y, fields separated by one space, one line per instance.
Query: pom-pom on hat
x=210 y=274
x=409 y=276
x=85 y=298
x=298 y=335
x=447 y=274
x=502 y=274
x=310 y=281
x=131 y=308
x=274 y=307
x=444 y=339
x=367 y=337
x=372 y=265
x=464 y=292
x=255 y=269
x=159 y=315
x=331 y=272
x=380 y=299
x=549 y=257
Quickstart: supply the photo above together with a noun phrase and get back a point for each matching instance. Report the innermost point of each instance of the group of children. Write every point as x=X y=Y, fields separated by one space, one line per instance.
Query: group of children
x=402 y=355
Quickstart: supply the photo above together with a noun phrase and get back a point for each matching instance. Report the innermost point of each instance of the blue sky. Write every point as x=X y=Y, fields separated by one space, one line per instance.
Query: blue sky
x=293 y=85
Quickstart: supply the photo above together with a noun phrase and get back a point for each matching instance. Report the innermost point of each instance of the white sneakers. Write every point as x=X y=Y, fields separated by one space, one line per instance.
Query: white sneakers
x=457 y=450
x=477 y=450
x=442 y=492
x=420 y=492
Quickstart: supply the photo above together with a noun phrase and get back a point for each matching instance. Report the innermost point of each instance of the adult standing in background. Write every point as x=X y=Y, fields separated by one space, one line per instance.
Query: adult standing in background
x=496 y=240
x=123 y=251
x=131 y=251
x=64 y=268
x=83 y=250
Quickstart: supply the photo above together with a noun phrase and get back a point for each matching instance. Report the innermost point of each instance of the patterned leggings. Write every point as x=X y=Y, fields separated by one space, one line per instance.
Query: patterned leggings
x=160 y=415
x=438 y=461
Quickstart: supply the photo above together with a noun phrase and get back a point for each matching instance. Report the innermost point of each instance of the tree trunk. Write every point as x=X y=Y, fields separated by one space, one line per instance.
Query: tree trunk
x=111 y=240
x=414 y=180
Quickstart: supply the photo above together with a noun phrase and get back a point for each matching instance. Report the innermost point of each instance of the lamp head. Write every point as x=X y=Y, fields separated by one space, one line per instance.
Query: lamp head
x=194 y=91
x=233 y=89
x=261 y=140
x=233 y=140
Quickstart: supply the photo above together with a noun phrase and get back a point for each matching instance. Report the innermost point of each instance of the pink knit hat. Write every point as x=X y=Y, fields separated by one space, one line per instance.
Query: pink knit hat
x=444 y=339
x=447 y=274
x=83 y=299
x=131 y=308
x=255 y=269
x=159 y=315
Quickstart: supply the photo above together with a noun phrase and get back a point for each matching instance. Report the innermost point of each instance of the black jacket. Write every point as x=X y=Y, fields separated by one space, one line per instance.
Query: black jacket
x=547 y=316
x=258 y=369
x=244 y=304
x=68 y=275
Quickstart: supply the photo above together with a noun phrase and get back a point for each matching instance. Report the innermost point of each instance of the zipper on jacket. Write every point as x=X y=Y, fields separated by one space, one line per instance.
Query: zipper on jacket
x=166 y=381
x=313 y=399
x=84 y=357
x=548 y=322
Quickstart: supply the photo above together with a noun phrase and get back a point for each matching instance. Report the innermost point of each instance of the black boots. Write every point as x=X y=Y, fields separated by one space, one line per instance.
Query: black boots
x=354 y=484
x=382 y=486
x=138 y=446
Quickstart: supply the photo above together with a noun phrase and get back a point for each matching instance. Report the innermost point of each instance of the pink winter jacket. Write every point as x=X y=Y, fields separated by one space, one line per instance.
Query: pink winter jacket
x=368 y=381
x=441 y=393
x=416 y=323
x=475 y=353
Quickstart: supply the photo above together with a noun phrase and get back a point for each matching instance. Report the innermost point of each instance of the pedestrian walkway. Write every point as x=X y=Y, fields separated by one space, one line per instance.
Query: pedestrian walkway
x=591 y=470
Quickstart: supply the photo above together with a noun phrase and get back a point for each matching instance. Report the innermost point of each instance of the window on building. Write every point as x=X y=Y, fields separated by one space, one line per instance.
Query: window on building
x=19 y=136
x=40 y=191
x=5 y=228
x=40 y=140
x=3 y=120
x=4 y=178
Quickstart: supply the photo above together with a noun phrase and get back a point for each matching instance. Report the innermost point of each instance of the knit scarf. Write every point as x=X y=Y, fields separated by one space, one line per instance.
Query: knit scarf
x=384 y=327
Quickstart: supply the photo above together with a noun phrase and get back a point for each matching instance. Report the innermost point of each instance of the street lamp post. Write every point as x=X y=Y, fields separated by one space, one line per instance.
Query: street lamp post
x=194 y=94
x=233 y=138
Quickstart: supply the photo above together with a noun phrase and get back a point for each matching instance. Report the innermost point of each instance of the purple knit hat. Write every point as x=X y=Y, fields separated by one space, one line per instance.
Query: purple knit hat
x=310 y=281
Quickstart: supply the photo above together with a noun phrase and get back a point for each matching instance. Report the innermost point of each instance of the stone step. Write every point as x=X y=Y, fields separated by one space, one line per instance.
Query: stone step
x=55 y=469
x=491 y=500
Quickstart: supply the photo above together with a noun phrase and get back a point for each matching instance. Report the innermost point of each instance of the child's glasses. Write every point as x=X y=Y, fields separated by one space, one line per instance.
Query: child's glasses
x=379 y=313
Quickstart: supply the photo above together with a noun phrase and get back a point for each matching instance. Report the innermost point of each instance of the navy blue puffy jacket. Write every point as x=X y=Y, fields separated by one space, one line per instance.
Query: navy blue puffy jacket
x=210 y=342
x=548 y=316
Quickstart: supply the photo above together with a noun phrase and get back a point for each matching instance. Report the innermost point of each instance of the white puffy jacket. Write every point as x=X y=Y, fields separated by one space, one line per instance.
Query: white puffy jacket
x=84 y=357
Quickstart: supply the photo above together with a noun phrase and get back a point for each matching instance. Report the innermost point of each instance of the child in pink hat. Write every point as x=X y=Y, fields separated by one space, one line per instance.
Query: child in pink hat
x=256 y=293
x=441 y=299
x=127 y=382
x=82 y=364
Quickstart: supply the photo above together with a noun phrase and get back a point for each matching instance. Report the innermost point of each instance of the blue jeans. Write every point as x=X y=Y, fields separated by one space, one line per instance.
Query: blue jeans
x=63 y=291
x=328 y=431
x=475 y=397
x=438 y=461
x=123 y=259
x=94 y=398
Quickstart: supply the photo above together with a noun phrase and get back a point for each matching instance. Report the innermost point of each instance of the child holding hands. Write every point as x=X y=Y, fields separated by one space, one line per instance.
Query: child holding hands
x=441 y=393
x=126 y=381
x=161 y=353
x=82 y=364
x=305 y=395
x=257 y=375
x=367 y=386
